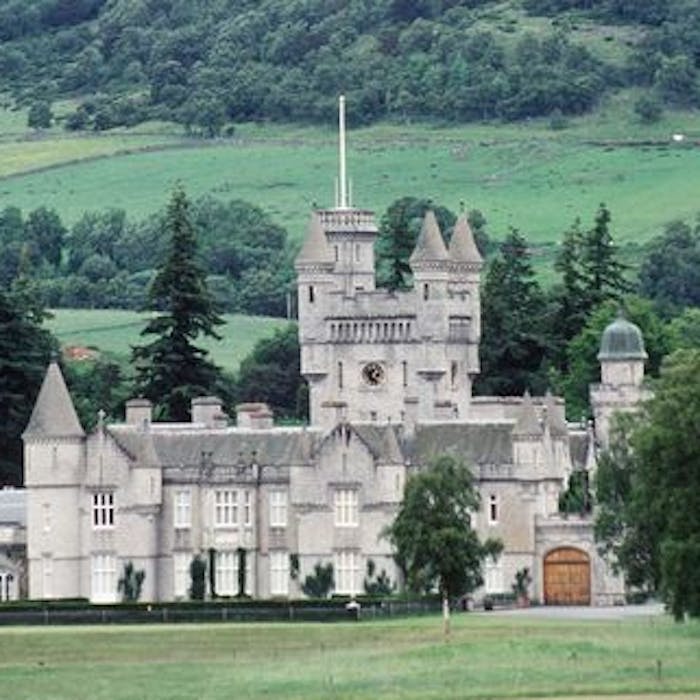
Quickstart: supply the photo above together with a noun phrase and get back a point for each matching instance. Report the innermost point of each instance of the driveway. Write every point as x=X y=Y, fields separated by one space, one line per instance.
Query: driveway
x=563 y=612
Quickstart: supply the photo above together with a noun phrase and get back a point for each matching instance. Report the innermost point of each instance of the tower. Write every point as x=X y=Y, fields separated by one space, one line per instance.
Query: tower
x=621 y=356
x=54 y=458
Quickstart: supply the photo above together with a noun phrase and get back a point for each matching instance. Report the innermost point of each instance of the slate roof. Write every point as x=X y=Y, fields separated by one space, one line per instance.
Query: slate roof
x=13 y=506
x=622 y=340
x=578 y=449
x=462 y=245
x=184 y=448
x=475 y=443
x=430 y=246
x=54 y=414
x=315 y=249
x=381 y=440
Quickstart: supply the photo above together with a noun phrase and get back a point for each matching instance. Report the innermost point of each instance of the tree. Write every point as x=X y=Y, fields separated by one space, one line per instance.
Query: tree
x=670 y=271
x=377 y=584
x=603 y=274
x=320 y=583
x=46 y=232
x=39 y=115
x=433 y=537
x=512 y=342
x=171 y=370
x=648 y=486
x=131 y=582
x=271 y=373
x=198 y=573
x=25 y=350
x=648 y=109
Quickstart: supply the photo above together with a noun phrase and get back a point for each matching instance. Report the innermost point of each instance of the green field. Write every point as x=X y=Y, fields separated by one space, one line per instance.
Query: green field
x=526 y=176
x=114 y=332
x=488 y=657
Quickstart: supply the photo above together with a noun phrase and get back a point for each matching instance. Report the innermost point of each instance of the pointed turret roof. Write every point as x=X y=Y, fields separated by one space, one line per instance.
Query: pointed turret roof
x=527 y=423
x=315 y=249
x=462 y=245
x=430 y=246
x=54 y=414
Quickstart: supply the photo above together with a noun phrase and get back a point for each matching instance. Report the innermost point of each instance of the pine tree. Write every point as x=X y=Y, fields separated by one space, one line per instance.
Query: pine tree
x=171 y=370
x=512 y=342
x=603 y=274
x=25 y=349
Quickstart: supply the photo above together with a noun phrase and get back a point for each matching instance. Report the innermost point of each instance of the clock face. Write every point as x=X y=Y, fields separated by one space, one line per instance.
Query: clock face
x=373 y=373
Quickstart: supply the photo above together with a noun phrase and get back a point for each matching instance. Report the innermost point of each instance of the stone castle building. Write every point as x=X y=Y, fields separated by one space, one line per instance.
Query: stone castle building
x=390 y=377
x=390 y=381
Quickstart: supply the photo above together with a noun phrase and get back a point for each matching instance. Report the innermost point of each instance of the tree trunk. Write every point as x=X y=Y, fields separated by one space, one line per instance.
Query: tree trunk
x=446 y=617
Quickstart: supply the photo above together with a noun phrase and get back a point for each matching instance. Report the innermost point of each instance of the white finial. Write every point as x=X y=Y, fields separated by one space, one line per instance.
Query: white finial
x=343 y=199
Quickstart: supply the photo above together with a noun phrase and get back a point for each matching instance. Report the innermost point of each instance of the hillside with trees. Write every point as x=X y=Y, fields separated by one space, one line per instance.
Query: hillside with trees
x=206 y=63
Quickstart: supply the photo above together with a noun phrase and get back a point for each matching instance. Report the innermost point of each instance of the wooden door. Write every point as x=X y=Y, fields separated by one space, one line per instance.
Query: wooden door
x=567 y=577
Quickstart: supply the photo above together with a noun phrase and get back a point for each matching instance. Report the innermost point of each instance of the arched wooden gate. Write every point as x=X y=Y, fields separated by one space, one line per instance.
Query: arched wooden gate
x=567 y=577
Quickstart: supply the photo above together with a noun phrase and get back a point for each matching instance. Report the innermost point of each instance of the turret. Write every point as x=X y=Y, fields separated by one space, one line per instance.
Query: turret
x=527 y=436
x=430 y=261
x=621 y=356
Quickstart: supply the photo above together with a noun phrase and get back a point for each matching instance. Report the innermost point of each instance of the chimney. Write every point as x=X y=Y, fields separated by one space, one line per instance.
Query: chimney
x=208 y=411
x=138 y=412
x=256 y=416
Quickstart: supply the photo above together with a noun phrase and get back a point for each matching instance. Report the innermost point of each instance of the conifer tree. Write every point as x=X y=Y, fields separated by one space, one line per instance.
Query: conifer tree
x=512 y=342
x=25 y=349
x=172 y=370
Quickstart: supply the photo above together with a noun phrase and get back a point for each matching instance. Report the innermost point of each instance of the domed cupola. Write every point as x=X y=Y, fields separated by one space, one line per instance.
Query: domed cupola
x=622 y=353
x=622 y=340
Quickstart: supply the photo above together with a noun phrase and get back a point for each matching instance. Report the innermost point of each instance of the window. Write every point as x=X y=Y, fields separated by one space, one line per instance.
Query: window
x=493 y=509
x=226 y=508
x=247 y=508
x=357 y=251
x=279 y=573
x=182 y=512
x=181 y=574
x=453 y=374
x=278 y=509
x=103 y=509
x=426 y=292
x=404 y=372
x=340 y=375
x=104 y=578
x=345 y=508
x=346 y=568
x=493 y=577
x=311 y=294
x=226 y=573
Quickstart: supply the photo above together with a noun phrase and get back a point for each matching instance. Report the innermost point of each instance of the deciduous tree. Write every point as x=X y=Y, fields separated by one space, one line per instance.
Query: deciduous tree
x=433 y=536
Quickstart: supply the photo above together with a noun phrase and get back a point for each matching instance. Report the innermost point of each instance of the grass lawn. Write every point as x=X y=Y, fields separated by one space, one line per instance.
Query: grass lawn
x=114 y=332
x=522 y=175
x=489 y=657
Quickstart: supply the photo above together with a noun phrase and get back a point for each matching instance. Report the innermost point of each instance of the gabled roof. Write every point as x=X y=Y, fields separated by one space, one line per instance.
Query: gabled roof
x=462 y=245
x=381 y=440
x=430 y=246
x=315 y=249
x=527 y=424
x=54 y=414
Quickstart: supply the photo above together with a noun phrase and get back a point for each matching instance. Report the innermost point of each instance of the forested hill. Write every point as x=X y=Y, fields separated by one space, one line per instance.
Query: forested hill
x=207 y=62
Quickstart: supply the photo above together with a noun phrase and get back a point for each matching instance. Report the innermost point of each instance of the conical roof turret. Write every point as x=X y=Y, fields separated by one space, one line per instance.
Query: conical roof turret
x=315 y=250
x=527 y=424
x=54 y=413
x=463 y=247
x=430 y=246
x=622 y=340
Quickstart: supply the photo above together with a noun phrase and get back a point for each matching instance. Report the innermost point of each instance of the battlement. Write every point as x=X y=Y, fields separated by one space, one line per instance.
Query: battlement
x=347 y=221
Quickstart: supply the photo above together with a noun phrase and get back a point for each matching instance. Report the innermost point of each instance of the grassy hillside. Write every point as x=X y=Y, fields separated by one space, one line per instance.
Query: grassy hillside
x=527 y=176
x=488 y=656
x=114 y=332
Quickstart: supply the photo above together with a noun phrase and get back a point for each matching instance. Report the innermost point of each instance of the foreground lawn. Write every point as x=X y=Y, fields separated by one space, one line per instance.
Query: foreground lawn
x=488 y=657
x=114 y=332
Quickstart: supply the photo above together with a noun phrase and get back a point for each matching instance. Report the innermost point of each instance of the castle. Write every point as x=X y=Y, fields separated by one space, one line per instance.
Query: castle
x=390 y=382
